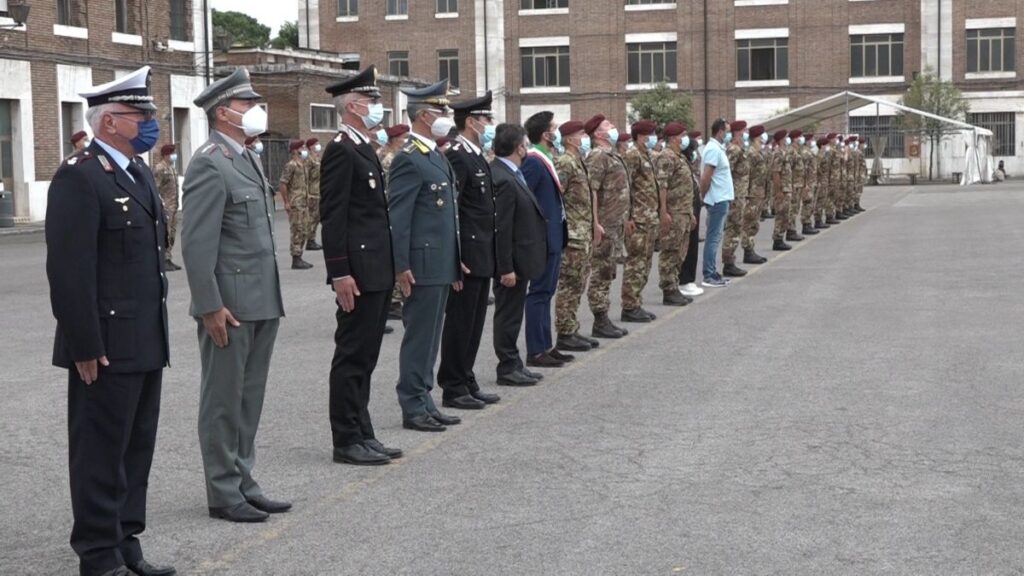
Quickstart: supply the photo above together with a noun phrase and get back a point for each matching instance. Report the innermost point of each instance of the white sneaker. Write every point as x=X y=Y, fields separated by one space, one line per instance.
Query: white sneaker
x=691 y=290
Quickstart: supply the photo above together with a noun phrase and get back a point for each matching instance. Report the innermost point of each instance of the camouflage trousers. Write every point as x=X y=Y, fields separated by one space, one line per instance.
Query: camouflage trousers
x=733 y=230
x=603 y=262
x=675 y=242
x=314 y=216
x=171 y=209
x=807 y=216
x=639 y=253
x=298 y=219
x=572 y=281
x=832 y=206
x=820 y=202
x=752 y=220
x=781 y=205
x=796 y=200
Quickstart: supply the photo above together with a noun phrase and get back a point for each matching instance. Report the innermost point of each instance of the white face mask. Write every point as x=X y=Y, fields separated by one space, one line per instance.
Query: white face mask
x=174 y=158
x=258 y=148
x=254 y=121
x=441 y=127
x=303 y=154
x=317 y=148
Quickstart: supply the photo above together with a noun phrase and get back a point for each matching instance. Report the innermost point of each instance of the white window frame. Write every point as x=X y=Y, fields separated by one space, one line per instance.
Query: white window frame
x=71 y=31
x=651 y=7
x=760 y=2
x=334 y=115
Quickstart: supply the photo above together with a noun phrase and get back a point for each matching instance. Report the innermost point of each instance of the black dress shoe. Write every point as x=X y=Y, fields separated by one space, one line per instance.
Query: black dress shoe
x=171 y=266
x=445 y=419
x=571 y=343
x=143 y=568
x=751 y=257
x=793 y=236
x=312 y=245
x=485 y=397
x=554 y=353
x=269 y=506
x=242 y=512
x=634 y=315
x=531 y=374
x=422 y=423
x=516 y=378
x=359 y=455
x=467 y=402
x=781 y=246
x=119 y=571
x=732 y=270
x=376 y=446
x=544 y=360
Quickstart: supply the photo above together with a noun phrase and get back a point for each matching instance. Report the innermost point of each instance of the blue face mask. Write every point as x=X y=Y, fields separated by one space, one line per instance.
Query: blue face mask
x=487 y=137
x=685 y=143
x=728 y=138
x=149 y=134
x=557 y=141
x=801 y=140
x=652 y=141
x=613 y=136
x=382 y=137
x=585 y=145
x=746 y=137
x=764 y=138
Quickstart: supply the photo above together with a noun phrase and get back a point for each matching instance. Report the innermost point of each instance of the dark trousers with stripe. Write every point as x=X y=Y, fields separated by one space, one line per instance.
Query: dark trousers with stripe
x=357 y=344
x=465 y=315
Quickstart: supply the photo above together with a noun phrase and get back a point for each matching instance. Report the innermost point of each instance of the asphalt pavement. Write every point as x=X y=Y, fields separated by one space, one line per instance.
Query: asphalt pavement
x=853 y=406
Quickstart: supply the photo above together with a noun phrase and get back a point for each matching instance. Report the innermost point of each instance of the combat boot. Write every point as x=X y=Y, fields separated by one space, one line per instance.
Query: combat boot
x=809 y=230
x=821 y=225
x=299 y=264
x=594 y=343
x=635 y=315
x=792 y=236
x=831 y=220
x=781 y=246
x=751 y=257
x=170 y=266
x=841 y=215
x=571 y=343
x=312 y=245
x=731 y=269
x=603 y=327
x=674 y=298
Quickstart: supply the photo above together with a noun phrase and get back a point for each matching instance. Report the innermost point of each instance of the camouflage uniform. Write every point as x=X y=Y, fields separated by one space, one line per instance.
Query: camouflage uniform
x=167 y=185
x=294 y=177
x=821 y=197
x=313 y=194
x=810 y=185
x=579 y=214
x=862 y=177
x=740 y=165
x=835 y=182
x=386 y=157
x=610 y=182
x=781 y=166
x=757 y=158
x=675 y=177
x=796 y=195
x=848 y=177
x=644 y=206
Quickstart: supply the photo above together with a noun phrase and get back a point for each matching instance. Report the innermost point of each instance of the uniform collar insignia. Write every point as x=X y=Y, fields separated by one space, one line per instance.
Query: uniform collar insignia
x=123 y=200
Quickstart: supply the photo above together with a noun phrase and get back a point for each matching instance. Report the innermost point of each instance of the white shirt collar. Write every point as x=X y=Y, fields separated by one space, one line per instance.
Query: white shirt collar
x=472 y=147
x=355 y=134
x=428 y=141
x=238 y=148
x=120 y=159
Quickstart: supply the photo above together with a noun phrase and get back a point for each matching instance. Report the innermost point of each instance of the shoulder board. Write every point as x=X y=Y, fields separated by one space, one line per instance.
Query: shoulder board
x=105 y=163
x=457 y=146
x=341 y=136
x=423 y=148
x=79 y=158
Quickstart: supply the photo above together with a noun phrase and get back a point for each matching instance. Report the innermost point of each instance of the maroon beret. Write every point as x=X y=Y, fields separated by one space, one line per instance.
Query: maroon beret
x=779 y=136
x=822 y=142
x=851 y=139
x=695 y=134
x=674 y=129
x=167 y=149
x=756 y=131
x=397 y=130
x=571 y=127
x=594 y=123
x=809 y=136
x=295 y=145
x=78 y=136
x=795 y=134
x=250 y=140
x=737 y=126
x=441 y=142
x=312 y=142
x=862 y=140
x=643 y=127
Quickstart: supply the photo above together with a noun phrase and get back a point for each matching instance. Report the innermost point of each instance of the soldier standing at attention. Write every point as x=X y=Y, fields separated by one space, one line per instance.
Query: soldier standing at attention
x=229 y=252
x=757 y=157
x=610 y=183
x=166 y=176
x=781 y=171
x=314 y=148
x=425 y=238
x=585 y=231
x=835 y=179
x=642 y=226
x=808 y=151
x=105 y=238
x=863 y=175
x=294 y=193
x=739 y=163
x=79 y=142
x=676 y=182
x=798 y=168
x=821 y=194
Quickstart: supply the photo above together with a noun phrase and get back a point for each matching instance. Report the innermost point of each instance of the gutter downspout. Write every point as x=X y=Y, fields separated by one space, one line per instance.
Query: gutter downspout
x=307 y=26
x=206 y=39
x=487 y=70
x=707 y=93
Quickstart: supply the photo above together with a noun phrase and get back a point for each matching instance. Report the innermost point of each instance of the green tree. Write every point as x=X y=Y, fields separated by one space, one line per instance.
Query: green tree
x=930 y=93
x=662 y=105
x=244 y=30
x=287 y=36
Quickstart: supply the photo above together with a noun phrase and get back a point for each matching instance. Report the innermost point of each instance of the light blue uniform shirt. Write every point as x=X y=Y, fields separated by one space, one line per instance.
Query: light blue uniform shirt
x=721 y=180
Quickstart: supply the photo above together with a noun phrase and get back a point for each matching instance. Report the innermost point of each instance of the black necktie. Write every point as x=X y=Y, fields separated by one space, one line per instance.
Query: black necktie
x=136 y=171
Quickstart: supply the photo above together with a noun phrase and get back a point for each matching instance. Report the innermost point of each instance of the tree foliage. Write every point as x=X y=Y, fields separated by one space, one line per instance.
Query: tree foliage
x=662 y=105
x=930 y=93
x=287 y=37
x=243 y=29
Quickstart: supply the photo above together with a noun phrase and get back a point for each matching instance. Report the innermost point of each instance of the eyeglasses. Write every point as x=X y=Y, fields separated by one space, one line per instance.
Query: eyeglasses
x=147 y=115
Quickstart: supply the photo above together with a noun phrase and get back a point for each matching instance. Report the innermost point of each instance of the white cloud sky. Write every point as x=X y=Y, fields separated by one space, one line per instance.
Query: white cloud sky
x=271 y=13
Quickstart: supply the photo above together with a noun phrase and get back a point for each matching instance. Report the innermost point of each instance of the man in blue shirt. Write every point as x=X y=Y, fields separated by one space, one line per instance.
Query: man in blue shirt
x=717 y=192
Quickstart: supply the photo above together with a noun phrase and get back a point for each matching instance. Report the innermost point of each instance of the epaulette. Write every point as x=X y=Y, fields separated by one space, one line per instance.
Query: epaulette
x=80 y=157
x=107 y=167
x=341 y=136
x=209 y=148
x=415 y=144
x=457 y=146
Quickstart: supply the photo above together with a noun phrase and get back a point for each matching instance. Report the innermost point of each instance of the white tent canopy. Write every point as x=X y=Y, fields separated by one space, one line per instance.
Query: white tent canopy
x=978 y=157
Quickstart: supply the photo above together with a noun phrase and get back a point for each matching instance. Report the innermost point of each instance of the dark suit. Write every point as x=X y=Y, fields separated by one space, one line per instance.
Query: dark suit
x=105 y=237
x=466 y=311
x=424 y=236
x=521 y=247
x=544 y=184
x=357 y=242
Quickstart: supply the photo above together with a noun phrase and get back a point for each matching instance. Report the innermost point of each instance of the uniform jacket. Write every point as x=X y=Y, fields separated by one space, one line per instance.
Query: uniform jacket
x=645 y=204
x=424 y=215
x=167 y=183
x=227 y=240
x=609 y=179
x=105 y=237
x=521 y=235
x=476 y=209
x=578 y=199
x=354 y=213
x=547 y=191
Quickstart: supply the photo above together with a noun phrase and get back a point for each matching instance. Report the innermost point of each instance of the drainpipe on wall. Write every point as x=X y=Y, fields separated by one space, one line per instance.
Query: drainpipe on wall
x=707 y=93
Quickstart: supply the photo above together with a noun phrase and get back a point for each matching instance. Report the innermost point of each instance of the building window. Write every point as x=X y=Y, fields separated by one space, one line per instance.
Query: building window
x=448 y=66
x=884 y=126
x=990 y=50
x=321 y=118
x=398 y=63
x=1003 y=127
x=398 y=8
x=3 y=8
x=447 y=6
x=646 y=2
x=348 y=8
x=67 y=13
x=651 y=62
x=545 y=66
x=124 y=16
x=762 y=59
x=179 y=20
x=876 y=55
x=70 y=122
x=6 y=142
x=542 y=4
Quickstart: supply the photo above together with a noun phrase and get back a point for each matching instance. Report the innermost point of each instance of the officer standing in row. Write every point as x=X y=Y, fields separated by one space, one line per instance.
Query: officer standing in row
x=229 y=251
x=642 y=226
x=676 y=182
x=739 y=163
x=313 y=148
x=79 y=142
x=105 y=241
x=167 y=183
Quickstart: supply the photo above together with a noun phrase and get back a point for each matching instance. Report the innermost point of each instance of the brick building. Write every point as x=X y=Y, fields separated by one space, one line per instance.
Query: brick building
x=735 y=58
x=69 y=45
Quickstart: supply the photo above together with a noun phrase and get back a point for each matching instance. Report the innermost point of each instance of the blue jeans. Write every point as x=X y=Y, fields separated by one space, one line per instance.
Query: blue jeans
x=717 y=214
